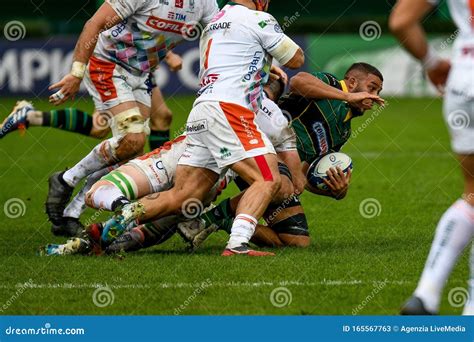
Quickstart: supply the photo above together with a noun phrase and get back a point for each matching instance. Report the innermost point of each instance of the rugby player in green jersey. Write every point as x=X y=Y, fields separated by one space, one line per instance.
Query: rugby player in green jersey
x=321 y=108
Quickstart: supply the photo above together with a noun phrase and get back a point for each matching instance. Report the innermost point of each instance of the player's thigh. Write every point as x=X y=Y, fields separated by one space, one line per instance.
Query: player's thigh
x=193 y=182
x=259 y=168
x=467 y=166
x=459 y=117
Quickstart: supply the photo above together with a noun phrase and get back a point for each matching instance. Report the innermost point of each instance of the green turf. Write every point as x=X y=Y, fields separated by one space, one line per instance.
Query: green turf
x=402 y=159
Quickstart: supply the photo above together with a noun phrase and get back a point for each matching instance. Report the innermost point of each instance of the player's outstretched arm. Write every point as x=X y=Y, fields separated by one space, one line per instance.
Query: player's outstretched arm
x=104 y=18
x=309 y=86
x=405 y=24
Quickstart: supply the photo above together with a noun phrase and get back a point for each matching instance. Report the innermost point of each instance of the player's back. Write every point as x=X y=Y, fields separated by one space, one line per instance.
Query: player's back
x=234 y=63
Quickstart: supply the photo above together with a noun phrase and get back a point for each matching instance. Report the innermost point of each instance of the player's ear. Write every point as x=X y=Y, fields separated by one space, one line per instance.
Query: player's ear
x=352 y=83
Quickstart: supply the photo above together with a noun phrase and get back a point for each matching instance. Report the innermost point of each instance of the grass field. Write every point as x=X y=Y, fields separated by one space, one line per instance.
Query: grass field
x=355 y=264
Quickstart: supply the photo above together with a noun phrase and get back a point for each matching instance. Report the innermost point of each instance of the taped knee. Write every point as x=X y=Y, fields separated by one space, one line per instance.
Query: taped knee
x=129 y=121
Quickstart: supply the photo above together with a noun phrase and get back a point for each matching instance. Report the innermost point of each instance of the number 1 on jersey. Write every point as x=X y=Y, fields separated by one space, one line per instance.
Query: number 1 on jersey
x=206 y=55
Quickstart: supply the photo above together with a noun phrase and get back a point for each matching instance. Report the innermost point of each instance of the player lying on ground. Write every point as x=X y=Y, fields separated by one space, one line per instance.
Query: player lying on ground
x=221 y=132
x=115 y=68
x=154 y=173
x=321 y=109
x=24 y=115
x=456 y=228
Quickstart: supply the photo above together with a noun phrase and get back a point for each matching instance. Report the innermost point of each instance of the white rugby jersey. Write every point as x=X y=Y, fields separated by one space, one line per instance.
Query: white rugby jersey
x=276 y=126
x=236 y=57
x=150 y=28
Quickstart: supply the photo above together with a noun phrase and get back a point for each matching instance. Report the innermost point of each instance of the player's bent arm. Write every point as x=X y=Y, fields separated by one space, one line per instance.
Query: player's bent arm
x=307 y=85
x=288 y=53
x=405 y=24
x=103 y=19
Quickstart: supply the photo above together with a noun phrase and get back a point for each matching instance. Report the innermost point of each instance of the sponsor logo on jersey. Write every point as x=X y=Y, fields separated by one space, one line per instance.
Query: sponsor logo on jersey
x=164 y=2
x=266 y=111
x=253 y=67
x=168 y=25
x=209 y=79
x=248 y=131
x=225 y=153
x=179 y=3
x=278 y=28
x=321 y=136
x=119 y=28
x=219 y=26
x=195 y=127
x=262 y=24
x=176 y=16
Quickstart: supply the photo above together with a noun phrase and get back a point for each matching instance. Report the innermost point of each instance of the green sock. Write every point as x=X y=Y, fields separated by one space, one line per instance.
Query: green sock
x=69 y=119
x=221 y=212
x=158 y=138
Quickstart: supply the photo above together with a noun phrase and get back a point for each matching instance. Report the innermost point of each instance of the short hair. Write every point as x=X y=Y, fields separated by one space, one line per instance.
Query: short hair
x=365 y=68
x=277 y=87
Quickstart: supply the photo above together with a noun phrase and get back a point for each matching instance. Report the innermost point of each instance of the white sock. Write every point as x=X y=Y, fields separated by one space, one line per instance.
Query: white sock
x=454 y=232
x=469 y=306
x=104 y=196
x=242 y=230
x=78 y=204
x=101 y=156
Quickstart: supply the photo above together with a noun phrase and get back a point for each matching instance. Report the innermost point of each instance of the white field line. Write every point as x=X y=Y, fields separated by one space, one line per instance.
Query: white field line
x=220 y=284
x=391 y=155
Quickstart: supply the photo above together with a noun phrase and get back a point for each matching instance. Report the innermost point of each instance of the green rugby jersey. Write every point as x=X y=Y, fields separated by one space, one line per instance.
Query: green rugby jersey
x=321 y=126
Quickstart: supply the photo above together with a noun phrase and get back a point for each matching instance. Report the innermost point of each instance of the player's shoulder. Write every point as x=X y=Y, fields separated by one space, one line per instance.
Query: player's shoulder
x=328 y=78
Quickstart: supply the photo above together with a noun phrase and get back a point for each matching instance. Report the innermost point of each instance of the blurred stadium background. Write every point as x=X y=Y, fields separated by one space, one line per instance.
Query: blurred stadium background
x=334 y=34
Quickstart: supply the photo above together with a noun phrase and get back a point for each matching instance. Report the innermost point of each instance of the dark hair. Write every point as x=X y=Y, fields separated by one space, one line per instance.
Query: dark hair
x=277 y=88
x=365 y=68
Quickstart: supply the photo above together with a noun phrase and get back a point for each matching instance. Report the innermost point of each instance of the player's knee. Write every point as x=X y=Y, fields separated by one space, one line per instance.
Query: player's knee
x=98 y=133
x=89 y=200
x=130 y=146
x=293 y=231
x=295 y=241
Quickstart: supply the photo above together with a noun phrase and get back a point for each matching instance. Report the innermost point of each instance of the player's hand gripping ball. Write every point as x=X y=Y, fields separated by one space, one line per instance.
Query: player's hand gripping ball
x=318 y=168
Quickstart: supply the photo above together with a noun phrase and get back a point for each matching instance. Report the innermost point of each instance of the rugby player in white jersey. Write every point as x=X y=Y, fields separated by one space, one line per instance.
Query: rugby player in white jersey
x=456 y=227
x=236 y=55
x=119 y=46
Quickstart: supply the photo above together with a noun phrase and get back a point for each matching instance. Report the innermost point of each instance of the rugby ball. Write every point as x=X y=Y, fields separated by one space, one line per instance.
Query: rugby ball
x=318 y=168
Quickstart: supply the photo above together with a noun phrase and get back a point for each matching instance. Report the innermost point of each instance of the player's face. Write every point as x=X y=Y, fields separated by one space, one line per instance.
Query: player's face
x=371 y=84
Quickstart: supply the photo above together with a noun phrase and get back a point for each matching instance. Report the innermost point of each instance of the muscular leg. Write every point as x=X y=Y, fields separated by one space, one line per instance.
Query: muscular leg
x=454 y=232
x=160 y=120
x=110 y=151
x=190 y=182
x=265 y=182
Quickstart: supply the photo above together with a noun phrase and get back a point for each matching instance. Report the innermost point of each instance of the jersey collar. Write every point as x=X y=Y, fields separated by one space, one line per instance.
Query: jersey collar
x=353 y=112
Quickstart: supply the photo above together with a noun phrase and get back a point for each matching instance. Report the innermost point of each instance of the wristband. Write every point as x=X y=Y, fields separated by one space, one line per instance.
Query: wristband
x=78 y=69
x=431 y=59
